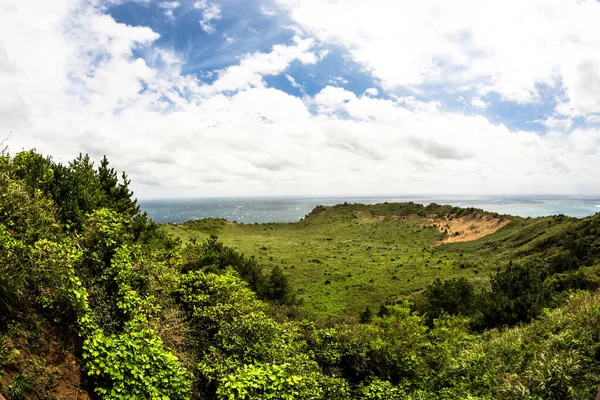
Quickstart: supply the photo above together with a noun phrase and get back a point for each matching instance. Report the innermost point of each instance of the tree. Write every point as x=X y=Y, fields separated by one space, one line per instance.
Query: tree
x=517 y=294
x=366 y=316
x=454 y=297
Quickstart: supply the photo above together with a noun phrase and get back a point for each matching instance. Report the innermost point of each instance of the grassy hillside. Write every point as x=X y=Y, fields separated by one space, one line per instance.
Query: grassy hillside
x=344 y=258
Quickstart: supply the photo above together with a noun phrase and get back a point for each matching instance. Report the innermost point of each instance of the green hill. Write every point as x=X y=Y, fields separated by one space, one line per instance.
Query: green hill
x=344 y=258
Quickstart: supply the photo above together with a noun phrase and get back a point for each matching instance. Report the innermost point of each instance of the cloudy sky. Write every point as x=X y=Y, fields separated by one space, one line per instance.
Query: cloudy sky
x=310 y=97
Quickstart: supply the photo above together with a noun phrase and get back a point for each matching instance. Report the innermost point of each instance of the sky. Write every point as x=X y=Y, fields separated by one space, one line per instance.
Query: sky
x=207 y=98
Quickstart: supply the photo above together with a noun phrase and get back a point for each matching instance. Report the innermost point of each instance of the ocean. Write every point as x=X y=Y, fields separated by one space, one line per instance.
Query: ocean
x=250 y=210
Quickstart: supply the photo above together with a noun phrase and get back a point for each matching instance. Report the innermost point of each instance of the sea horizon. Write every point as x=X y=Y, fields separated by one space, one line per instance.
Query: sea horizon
x=267 y=209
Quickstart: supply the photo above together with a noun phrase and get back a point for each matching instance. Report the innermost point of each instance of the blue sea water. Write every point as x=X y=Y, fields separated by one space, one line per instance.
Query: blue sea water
x=290 y=209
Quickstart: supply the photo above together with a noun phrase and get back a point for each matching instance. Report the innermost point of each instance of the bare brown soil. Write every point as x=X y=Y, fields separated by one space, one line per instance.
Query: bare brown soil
x=466 y=228
x=51 y=363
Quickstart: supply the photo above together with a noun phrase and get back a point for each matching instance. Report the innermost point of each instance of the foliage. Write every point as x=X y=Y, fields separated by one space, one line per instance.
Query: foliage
x=78 y=257
x=380 y=390
x=21 y=387
x=366 y=316
x=517 y=294
x=77 y=189
x=25 y=218
x=213 y=299
x=267 y=381
x=454 y=297
x=214 y=256
x=134 y=362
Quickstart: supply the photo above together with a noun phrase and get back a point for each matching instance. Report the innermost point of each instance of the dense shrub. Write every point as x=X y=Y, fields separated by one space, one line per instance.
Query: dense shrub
x=214 y=256
x=517 y=294
x=454 y=297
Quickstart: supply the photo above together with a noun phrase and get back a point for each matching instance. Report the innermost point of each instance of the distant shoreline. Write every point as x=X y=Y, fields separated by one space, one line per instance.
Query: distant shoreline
x=291 y=209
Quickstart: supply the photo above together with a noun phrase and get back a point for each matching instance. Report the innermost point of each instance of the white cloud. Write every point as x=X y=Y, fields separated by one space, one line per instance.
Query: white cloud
x=267 y=12
x=70 y=82
x=330 y=97
x=338 y=80
x=507 y=47
x=228 y=38
x=478 y=103
x=372 y=92
x=557 y=124
x=169 y=6
x=210 y=12
x=293 y=82
x=251 y=69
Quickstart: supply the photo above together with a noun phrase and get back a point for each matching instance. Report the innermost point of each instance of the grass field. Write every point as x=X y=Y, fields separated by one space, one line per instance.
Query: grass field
x=344 y=258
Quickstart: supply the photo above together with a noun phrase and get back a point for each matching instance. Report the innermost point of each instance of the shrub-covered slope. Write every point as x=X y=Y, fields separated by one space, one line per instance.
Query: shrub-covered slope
x=96 y=300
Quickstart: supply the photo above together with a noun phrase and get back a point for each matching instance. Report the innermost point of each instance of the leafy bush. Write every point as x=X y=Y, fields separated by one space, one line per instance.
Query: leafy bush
x=517 y=294
x=380 y=390
x=214 y=256
x=132 y=362
x=454 y=297
x=215 y=299
x=268 y=381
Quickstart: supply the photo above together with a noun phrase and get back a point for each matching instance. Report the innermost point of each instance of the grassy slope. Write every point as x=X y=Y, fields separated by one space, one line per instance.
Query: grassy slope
x=347 y=257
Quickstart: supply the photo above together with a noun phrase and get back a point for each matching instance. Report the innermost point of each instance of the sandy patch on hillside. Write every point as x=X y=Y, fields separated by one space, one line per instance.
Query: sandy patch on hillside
x=467 y=228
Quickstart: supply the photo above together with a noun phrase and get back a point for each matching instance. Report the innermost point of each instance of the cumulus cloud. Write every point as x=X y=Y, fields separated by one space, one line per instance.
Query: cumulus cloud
x=508 y=47
x=71 y=81
x=332 y=97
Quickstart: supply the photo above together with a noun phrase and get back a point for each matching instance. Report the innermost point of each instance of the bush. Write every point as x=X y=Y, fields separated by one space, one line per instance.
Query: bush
x=454 y=297
x=517 y=294
x=214 y=256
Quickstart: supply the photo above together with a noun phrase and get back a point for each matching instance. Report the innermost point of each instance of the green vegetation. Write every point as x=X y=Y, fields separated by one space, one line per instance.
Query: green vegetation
x=345 y=258
x=97 y=299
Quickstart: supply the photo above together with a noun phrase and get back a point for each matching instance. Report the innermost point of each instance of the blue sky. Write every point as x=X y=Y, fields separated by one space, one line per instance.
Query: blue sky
x=241 y=22
x=247 y=27
x=244 y=28
x=311 y=97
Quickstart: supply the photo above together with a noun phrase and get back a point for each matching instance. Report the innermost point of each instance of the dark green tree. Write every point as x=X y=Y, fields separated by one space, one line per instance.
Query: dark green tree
x=277 y=287
x=366 y=316
x=454 y=297
x=517 y=294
